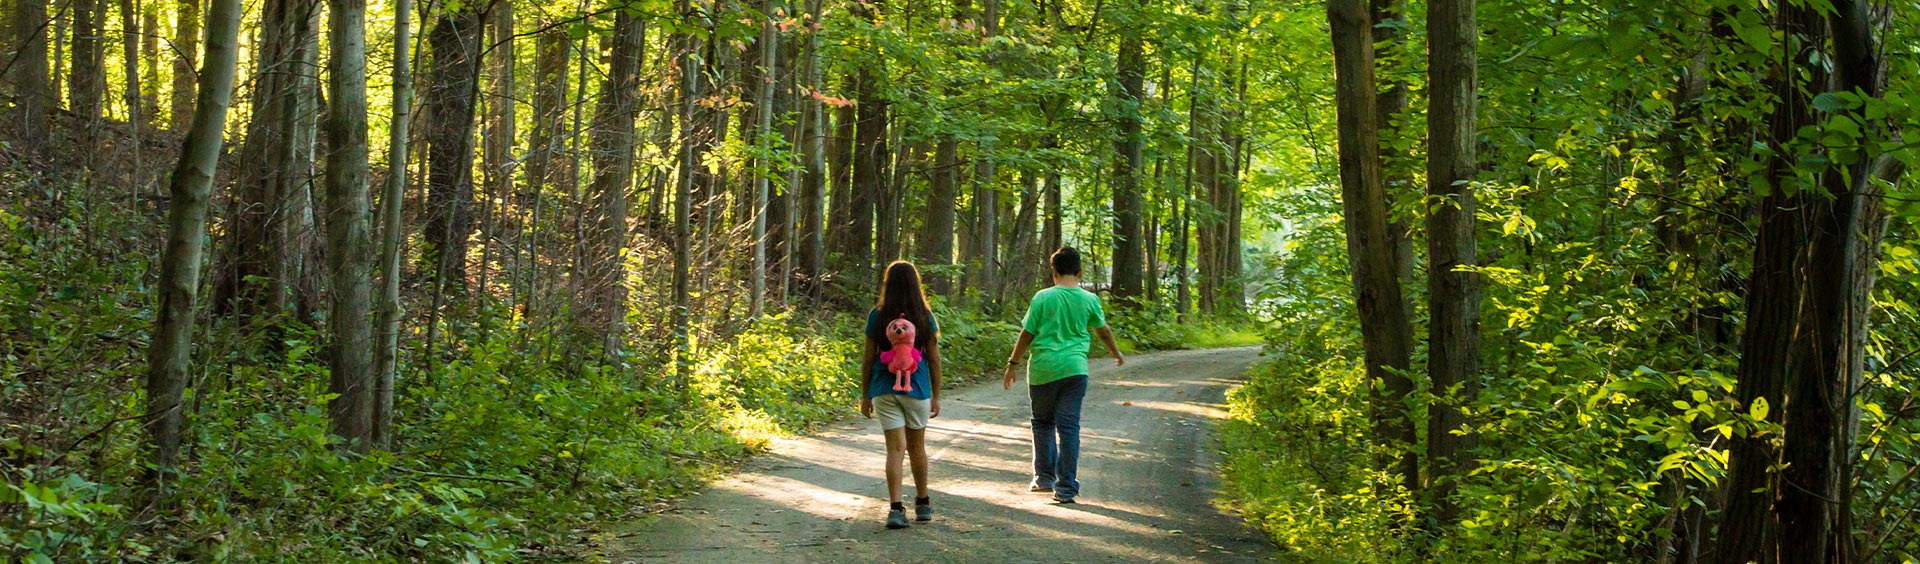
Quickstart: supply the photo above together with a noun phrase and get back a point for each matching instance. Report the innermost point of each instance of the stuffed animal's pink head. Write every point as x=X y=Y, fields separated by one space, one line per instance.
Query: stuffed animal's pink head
x=900 y=332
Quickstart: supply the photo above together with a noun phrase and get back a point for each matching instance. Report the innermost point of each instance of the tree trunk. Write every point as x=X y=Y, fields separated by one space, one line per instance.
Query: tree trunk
x=497 y=155
x=449 y=107
x=130 y=69
x=869 y=160
x=265 y=255
x=172 y=344
x=683 y=198
x=986 y=230
x=1183 y=299
x=393 y=229
x=812 y=228
x=1813 y=275
x=1128 y=94
x=186 y=35
x=1386 y=333
x=1453 y=337
x=349 y=243
x=605 y=298
x=840 y=200
x=33 y=93
x=1389 y=16
x=89 y=79
x=763 y=136
x=937 y=250
x=149 y=64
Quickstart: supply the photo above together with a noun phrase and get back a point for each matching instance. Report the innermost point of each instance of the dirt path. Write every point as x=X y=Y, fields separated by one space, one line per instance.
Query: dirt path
x=1146 y=495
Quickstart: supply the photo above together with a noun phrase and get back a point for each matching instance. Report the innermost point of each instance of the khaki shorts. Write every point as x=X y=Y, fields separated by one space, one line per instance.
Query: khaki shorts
x=896 y=410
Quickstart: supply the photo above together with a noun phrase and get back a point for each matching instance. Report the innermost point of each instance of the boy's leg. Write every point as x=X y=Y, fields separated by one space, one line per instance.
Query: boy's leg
x=1066 y=417
x=1045 y=452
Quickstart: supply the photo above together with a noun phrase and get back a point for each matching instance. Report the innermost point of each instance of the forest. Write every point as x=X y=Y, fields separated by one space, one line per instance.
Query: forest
x=446 y=280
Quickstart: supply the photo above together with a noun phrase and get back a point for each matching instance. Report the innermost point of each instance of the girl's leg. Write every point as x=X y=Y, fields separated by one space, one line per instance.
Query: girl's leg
x=896 y=450
x=917 y=448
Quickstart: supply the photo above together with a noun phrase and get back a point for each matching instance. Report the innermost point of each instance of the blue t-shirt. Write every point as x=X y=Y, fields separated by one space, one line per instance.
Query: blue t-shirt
x=883 y=380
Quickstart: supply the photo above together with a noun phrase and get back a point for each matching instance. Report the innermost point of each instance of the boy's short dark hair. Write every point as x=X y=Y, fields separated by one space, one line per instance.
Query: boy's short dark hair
x=1066 y=261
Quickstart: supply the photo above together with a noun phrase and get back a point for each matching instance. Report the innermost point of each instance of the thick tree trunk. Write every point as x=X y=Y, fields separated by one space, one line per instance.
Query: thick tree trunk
x=33 y=94
x=1389 y=17
x=89 y=79
x=1803 y=353
x=393 y=230
x=130 y=71
x=937 y=250
x=449 y=107
x=1128 y=94
x=1453 y=338
x=349 y=241
x=186 y=40
x=544 y=168
x=986 y=229
x=192 y=181
x=1386 y=333
x=264 y=263
x=840 y=200
x=604 y=302
x=149 y=33
x=870 y=156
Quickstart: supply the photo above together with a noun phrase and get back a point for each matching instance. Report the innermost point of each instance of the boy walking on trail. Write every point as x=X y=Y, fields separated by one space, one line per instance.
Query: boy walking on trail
x=1056 y=330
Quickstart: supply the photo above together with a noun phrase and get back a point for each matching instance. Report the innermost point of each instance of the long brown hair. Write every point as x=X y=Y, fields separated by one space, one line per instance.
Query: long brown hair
x=901 y=294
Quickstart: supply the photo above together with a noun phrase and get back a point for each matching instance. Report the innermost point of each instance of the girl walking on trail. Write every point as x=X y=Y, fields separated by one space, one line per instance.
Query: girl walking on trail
x=904 y=390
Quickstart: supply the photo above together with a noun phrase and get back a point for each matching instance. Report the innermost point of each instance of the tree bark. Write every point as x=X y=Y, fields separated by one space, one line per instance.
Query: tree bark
x=33 y=93
x=393 y=229
x=449 y=107
x=265 y=258
x=349 y=243
x=1813 y=275
x=763 y=135
x=683 y=198
x=812 y=220
x=605 y=296
x=1386 y=333
x=192 y=181
x=938 y=247
x=497 y=156
x=186 y=35
x=1453 y=338
x=870 y=156
x=1389 y=16
x=89 y=79
x=1128 y=93
x=840 y=199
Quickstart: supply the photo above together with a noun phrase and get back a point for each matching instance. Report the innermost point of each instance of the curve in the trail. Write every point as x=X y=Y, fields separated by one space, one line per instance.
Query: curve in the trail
x=1147 y=474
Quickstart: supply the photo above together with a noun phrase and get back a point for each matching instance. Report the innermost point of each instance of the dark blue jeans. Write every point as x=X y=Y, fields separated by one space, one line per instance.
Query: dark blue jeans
x=1056 y=433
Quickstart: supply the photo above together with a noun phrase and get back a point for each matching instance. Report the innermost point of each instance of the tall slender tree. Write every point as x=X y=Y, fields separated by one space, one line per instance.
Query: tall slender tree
x=1386 y=333
x=186 y=42
x=393 y=230
x=1453 y=288
x=1128 y=93
x=605 y=289
x=349 y=241
x=190 y=186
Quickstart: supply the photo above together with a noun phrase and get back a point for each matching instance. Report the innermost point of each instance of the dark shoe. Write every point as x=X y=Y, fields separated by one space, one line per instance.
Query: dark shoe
x=923 y=512
x=897 y=519
x=1057 y=498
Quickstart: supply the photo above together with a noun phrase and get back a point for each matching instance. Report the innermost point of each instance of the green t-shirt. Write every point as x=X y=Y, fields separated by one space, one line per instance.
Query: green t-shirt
x=1060 y=320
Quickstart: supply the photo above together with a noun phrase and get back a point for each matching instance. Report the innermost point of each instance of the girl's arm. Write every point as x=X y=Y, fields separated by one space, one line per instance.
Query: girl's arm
x=866 y=380
x=933 y=371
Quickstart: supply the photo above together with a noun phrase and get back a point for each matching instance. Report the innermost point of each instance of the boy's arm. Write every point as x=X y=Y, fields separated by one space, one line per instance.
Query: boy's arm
x=1019 y=352
x=1106 y=336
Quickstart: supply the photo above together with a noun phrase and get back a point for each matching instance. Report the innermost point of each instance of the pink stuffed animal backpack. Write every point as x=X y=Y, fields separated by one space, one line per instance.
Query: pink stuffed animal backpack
x=902 y=360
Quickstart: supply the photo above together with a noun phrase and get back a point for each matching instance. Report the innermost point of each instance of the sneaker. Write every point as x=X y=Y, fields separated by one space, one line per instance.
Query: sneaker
x=1038 y=487
x=923 y=512
x=1062 y=500
x=897 y=519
